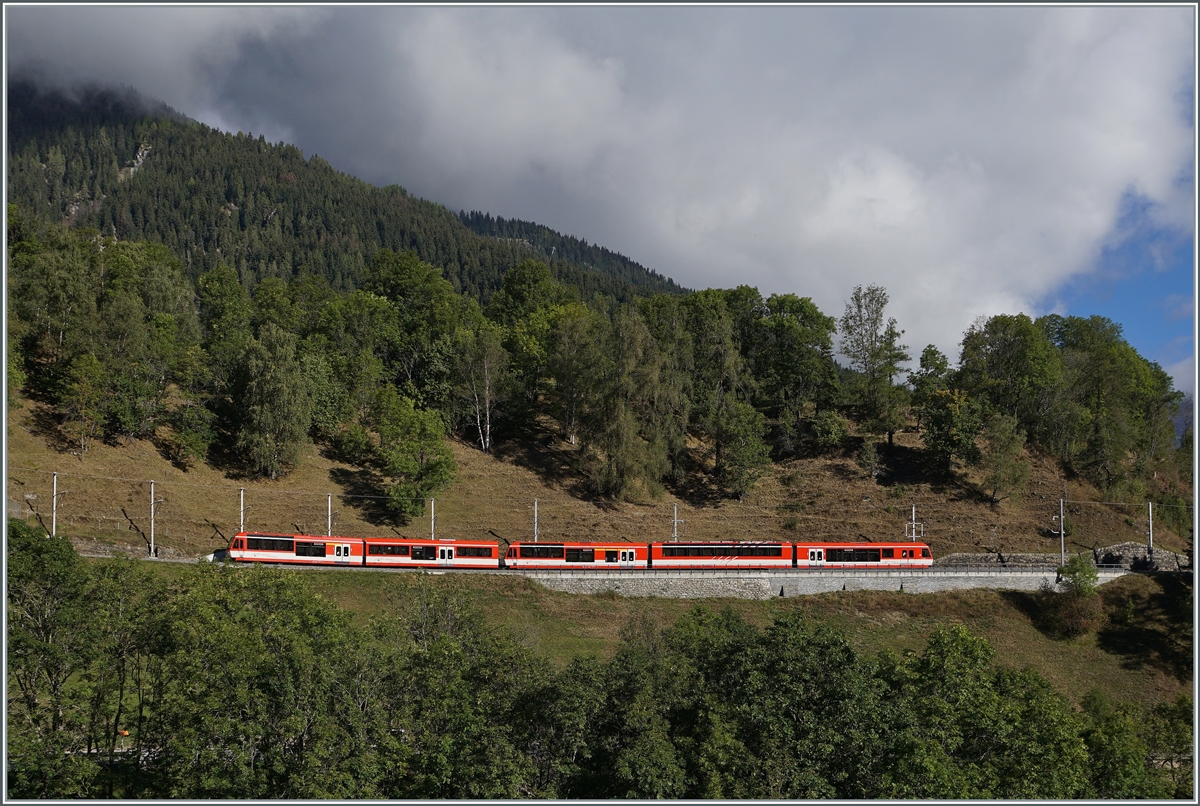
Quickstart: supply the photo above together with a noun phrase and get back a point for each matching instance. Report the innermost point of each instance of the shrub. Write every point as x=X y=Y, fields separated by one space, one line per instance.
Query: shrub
x=1077 y=610
x=829 y=431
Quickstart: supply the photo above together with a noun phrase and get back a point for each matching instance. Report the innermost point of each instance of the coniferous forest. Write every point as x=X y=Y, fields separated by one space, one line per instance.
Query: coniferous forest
x=236 y=301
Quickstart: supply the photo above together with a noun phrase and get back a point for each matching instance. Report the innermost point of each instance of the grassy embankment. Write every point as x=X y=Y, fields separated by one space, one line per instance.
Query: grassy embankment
x=107 y=497
x=1139 y=656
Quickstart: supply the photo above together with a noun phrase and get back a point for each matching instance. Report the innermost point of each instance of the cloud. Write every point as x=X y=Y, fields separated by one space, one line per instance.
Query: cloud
x=970 y=160
x=1184 y=374
x=167 y=53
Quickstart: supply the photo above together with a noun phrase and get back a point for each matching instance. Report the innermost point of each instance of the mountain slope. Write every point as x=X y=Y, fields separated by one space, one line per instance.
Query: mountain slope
x=141 y=171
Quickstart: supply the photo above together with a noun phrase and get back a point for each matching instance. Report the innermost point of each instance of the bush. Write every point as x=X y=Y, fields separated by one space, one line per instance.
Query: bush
x=1077 y=610
x=829 y=431
x=868 y=459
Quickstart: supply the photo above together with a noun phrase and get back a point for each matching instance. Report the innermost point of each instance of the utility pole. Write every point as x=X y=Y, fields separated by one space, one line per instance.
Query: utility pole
x=1150 y=506
x=432 y=522
x=536 y=532
x=675 y=524
x=912 y=529
x=151 y=517
x=1062 y=534
x=241 y=509
x=54 y=509
x=329 y=516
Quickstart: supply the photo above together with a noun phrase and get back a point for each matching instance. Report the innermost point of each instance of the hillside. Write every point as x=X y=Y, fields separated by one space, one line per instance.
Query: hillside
x=107 y=492
x=138 y=170
x=239 y=321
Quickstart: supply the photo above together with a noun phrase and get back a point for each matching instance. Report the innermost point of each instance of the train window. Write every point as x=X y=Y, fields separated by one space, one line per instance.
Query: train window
x=542 y=552
x=581 y=555
x=474 y=551
x=611 y=556
x=424 y=552
x=375 y=548
x=888 y=554
x=854 y=555
x=812 y=555
x=925 y=553
x=268 y=544
x=310 y=549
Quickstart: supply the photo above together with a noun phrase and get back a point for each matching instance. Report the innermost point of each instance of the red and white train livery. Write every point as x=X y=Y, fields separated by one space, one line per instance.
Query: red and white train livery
x=400 y=552
x=371 y=552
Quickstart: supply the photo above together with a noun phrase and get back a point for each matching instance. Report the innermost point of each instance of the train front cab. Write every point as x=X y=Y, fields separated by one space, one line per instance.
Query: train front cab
x=295 y=549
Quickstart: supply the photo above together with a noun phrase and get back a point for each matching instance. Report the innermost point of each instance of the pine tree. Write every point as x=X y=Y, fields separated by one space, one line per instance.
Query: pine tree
x=874 y=349
x=274 y=404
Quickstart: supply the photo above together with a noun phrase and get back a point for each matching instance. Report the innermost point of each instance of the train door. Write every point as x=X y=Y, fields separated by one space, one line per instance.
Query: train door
x=445 y=556
x=816 y=557
x=628 y=558
x=341 y=553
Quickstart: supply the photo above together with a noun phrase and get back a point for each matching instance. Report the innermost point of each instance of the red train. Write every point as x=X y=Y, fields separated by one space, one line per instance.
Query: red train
x=400 y=552
x=371 y=552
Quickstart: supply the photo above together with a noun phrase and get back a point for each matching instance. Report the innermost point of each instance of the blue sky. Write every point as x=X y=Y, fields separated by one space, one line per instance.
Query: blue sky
x=972 y=160
x=1146 y=282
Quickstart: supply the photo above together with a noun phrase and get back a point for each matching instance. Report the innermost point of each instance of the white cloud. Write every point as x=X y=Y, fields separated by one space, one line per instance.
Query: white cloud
x=970 y=160
x=1184 y=374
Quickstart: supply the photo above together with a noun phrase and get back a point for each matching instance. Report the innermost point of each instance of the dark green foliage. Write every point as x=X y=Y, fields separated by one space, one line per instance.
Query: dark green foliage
x=142 y=312
x=829 y=430
x=211 y=197
x=875 y=352
x=50 y=640
x=1077 y=609
x=1168 y=734
x=241 y=683
x=968 y=729
x=794 y=352
x=741 y=456
x=933 y=374
x=1118 y=756
x=565 y=253
x=412 y=451
x=1003 y=457
x=1009 y=361
x=273 y=402
x=952 y=421
x=1079 y=391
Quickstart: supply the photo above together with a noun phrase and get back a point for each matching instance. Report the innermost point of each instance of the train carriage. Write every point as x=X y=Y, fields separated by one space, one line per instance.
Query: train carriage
x=722 y=554
x=872 y=555
x=267 y=547
x=617 y=556
x=387 y=552
x=399 y=552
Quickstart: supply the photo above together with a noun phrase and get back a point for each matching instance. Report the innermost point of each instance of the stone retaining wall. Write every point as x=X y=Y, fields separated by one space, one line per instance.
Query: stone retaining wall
x=1133 y=556
x=767 y=585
